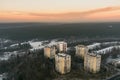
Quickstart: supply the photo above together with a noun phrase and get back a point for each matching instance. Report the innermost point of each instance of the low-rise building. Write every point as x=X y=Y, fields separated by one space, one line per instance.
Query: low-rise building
x=62 y=63
x=92 y=62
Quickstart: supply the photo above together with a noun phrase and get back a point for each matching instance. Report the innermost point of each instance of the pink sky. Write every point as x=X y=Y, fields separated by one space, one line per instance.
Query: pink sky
x=20 y=13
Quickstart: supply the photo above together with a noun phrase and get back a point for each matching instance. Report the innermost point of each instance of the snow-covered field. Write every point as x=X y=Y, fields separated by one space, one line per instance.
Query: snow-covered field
x=7 y=55
x=40 y=45
x=110 y=45
x=36 y=45
x=5 y=41
x=113 y=61
x=1 y=77
x=94 y=45
x=106 y=50
x=13 y=45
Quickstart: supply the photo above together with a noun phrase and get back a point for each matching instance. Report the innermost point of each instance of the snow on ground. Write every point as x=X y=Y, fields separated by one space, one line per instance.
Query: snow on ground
x=113 y=61
x=53 y=42
x=105 y=50
x=13 y=45
x=111 y=43
x=7 y=55
x=94 y=45
x=36 y=45
x=109 y=59
x=5 y=40
x=16 y=44
x=40 y=45
x=1 y=77
x=23 y=43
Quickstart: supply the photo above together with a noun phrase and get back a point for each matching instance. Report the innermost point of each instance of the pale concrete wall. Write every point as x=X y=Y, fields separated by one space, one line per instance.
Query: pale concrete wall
x=92 y=63
x=47 y=52
x=81 y=50
x=62 y=46
x=63 y=63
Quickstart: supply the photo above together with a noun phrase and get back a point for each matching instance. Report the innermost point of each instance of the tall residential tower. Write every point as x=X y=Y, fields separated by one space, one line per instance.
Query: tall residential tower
x=81 y=50
x=62 y=46
x=62 y=63
x=92 y=62
x=49 y=52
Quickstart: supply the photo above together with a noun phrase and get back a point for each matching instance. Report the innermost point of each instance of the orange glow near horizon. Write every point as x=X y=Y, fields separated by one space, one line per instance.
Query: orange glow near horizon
x=106 y=13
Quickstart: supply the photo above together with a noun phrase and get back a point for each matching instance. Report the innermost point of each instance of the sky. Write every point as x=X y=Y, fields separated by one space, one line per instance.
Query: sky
x=59 y=10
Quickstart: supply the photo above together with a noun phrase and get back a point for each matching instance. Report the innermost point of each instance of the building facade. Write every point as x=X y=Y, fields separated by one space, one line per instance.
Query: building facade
x=92 y=62
x=49 y=52
x=62 y=63
x=62 y=46
x=81 y=50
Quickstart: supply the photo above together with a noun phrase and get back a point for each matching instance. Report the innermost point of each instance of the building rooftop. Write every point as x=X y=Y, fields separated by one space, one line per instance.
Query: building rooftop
x=50 y=46
x=94 y=55
x=61 y=42
x=63 y=55
x=81 y=46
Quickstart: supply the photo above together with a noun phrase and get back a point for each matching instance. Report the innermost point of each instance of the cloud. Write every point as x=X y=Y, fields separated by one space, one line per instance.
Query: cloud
x=100 y=10
x=100 y=13
x=106 y=9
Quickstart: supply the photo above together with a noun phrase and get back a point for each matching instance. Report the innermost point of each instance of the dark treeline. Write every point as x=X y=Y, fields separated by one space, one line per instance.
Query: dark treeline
x=28 y=31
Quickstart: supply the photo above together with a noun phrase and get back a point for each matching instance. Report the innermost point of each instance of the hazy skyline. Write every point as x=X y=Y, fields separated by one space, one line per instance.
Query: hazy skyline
x=59 y=10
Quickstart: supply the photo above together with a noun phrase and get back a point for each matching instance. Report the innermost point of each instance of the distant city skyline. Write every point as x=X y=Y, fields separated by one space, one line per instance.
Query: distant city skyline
x=59 y=10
